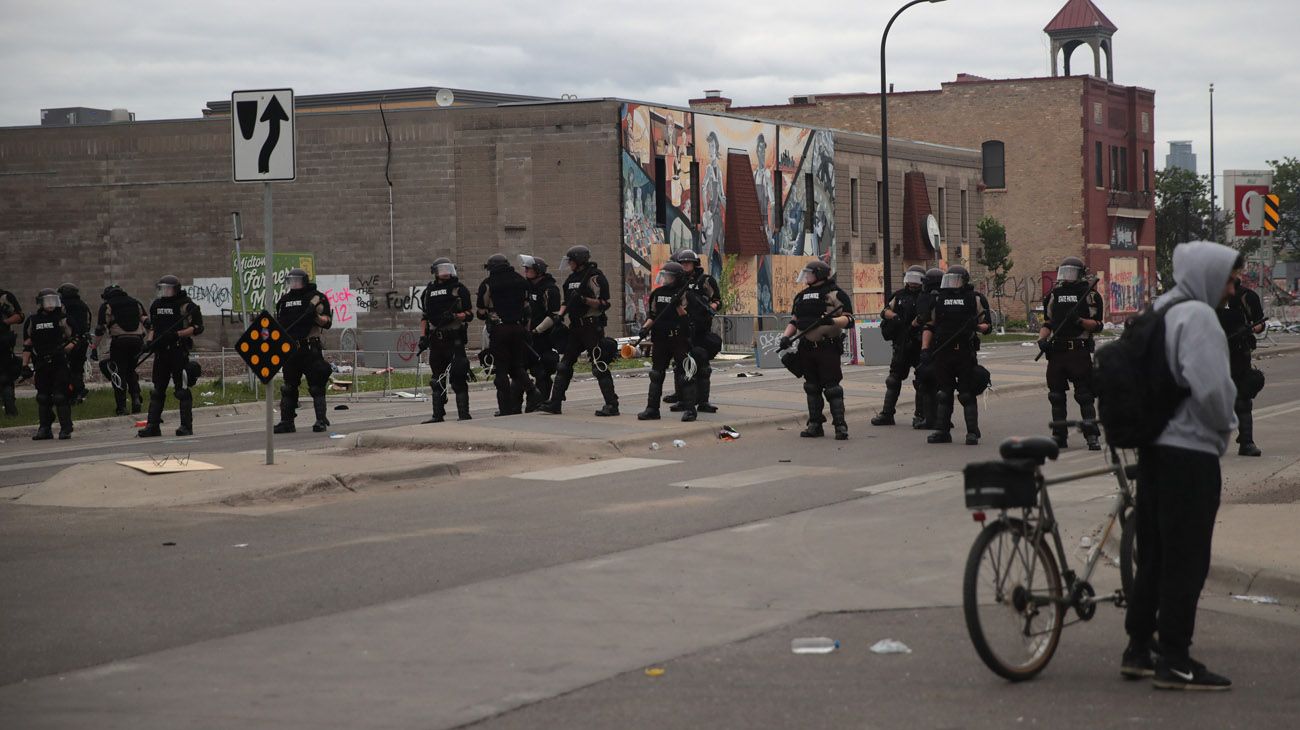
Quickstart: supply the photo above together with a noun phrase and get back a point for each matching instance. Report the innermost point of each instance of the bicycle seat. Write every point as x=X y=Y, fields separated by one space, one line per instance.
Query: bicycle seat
x=1038 y=448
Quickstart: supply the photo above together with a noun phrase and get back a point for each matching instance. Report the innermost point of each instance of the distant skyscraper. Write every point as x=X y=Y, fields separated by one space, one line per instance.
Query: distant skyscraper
x=1181 y=155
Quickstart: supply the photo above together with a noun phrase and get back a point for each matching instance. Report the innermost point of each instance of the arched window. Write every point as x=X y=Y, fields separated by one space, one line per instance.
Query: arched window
x=995 y=164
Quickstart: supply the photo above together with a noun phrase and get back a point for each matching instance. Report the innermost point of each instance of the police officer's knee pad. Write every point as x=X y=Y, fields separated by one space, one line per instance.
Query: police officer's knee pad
x=893 y=382
x=657 y=377
x=460 y=388
x=811 y=388
x=59 y=398
x=316 y=391
x=564 y=368
x=967 y=399
x=184 y=395
x=834 y=391
x=1057 y=397
x=1082 y=396
x=285 y=391
x=43 y=399
x=157 y=393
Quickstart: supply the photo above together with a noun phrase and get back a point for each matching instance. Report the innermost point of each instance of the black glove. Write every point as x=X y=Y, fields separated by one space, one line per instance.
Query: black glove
x=927 y=357
x=26 y=372
x=1044 y=346
x=785 y=343
x=94 y=354
x=827 y=319
x=424 y=342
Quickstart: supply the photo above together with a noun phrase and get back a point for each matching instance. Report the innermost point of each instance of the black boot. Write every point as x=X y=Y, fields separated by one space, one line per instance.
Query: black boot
x=690 y=394
x=45 y=414
x=63 y=406
x=439 y=398
x=704 y=388
x=932 y=411
x=462 y=405
x=816 y=402
x=1057 y=400
x=155 y=417
x=918 y=414
x=835 y=400
x=943 y=419
x=651 y=412
x=503 y=399
x=675 y=397
x=1088 y=412
x=971 y=411
x=1246 y=428
x=921 y=421
x=886 y=416
x=137 y=403
x=288 y=410
x=606 y=383
x=119 y=399
x=563 y=374
x=185 y=401
x=322 y=423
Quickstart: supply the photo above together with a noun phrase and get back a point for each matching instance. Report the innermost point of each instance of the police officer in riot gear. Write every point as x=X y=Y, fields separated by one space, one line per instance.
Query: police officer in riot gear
x=47 y=339
x=586 y=298
x=11 y=315
x=822 y=311
x=124 y=320
x=898 y=325
x=304 y=313
x=926 y=394
x=705 y=302
x=174 y=321
x=669 y=329
x=446 y=313
x=78 y=314
x=1242 y=317
x=957 y=314
x=1072 y=312
x=503 y=304
x=544 y=302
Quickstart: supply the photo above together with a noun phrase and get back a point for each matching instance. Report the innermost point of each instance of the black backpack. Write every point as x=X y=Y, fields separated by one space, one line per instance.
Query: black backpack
x=1136 y=391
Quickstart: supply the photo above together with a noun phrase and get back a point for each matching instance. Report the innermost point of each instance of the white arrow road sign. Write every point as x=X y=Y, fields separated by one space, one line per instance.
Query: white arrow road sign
x=262 y=135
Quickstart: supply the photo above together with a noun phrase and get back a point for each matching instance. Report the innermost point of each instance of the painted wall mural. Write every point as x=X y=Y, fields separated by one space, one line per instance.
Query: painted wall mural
x=1125 y=286
x=678 y=192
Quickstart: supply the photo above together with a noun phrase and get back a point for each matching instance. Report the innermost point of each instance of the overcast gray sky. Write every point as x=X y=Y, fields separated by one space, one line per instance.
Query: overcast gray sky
x=167 y=58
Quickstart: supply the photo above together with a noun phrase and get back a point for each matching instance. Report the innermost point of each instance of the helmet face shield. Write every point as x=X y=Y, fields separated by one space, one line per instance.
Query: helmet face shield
x=913 y=277
x=1068 y=273
x=296 y=281
x=951 y=281
x=447 y=270
x=526 y=261
x=166 y=291
x=806 y=276
x=51 y=301
x=665 y=278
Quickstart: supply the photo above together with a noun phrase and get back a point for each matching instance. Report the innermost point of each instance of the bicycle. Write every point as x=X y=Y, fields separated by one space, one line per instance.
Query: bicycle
x=1018 y=586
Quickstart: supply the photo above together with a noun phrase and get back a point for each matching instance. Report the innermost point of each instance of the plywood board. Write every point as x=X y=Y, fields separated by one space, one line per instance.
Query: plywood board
x=170 y=466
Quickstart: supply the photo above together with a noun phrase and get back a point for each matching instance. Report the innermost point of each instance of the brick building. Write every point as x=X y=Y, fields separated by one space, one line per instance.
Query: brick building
x=129 y=202
x=1068 y=162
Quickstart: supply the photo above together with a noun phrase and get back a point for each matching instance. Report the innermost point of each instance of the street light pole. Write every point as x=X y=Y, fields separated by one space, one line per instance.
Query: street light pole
x=1214 y=216
x=884 y=146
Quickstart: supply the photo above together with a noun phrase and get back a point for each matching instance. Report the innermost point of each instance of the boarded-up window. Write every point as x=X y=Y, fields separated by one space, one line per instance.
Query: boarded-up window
x=995 y=164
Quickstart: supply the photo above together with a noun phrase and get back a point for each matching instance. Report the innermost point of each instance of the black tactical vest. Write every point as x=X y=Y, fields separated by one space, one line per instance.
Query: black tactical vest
x=442 y=299
x=167 y=316
x=811 y=303
x=576 y=288
x=543 y=299
x=1069 y=304
x=296 y=312
x=663 y=308
x=509 y=296
x=46 y=332
x=954 y=316
x=126 y=312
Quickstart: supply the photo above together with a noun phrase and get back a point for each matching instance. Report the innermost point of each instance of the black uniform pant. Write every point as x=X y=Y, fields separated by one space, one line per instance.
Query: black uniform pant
x=1239 y=364
x=584 y=337
x=77 y=369
x=544 y=365
x=307 y=361
x=1176 y=506
x=53 y=390
x=906 y=356
x=510 y=359
x=449 y=371
x=1070 y=364
x=703 y=364
x=123 y=353
x=954 y=381
x=672 y=348
x=821 y=380
x=169 y=368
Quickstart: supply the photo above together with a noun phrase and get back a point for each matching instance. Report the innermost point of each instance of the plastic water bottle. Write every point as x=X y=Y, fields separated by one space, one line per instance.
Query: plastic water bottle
x=814 y=645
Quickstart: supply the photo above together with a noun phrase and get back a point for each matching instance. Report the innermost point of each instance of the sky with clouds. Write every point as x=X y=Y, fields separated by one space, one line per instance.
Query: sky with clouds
x=167 y=58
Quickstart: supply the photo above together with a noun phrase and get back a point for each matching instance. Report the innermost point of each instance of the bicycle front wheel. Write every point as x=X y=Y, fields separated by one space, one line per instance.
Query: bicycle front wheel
x=1012 y=600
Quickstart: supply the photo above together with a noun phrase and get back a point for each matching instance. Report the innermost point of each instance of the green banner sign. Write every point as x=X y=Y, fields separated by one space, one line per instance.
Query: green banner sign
x=251 y=272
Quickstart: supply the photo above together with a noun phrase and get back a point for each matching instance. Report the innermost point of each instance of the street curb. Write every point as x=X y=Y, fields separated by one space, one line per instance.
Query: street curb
x=1234 y=579
x=339 y=483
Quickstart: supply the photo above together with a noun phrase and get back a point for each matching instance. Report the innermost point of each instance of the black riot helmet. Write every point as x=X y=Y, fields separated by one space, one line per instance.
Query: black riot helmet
x=168 y=286
x=1071 y=270
x=580 y=255
x=535 y=263
x=443 y=267
x=297 y=279
x=820 y=270
x=671 y=274
x=497 y=262
x=69 y=290
x=48 y=299
x=955 y=278
x=933 y=277
x=110 y=291
x=914 y=276
x=687 y=256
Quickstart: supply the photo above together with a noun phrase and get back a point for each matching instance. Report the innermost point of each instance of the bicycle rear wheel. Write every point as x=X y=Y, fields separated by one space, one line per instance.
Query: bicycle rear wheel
x=1011 y=596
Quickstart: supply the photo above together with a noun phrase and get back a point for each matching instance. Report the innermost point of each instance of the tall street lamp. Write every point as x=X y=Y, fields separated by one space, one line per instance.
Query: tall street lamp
x=1214 y=216
x=884 y=143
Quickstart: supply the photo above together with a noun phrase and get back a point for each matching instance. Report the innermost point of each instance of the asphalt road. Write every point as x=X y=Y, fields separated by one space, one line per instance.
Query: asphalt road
x=528 y=602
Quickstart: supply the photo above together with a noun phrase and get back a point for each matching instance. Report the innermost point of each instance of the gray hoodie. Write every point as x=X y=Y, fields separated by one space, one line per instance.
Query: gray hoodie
x=1197 y=349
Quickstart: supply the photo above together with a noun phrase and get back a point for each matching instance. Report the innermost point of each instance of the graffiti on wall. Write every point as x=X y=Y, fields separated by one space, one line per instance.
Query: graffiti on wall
x=868 y=288
x=687 y=177
x=213 y=295
x=1125 y=286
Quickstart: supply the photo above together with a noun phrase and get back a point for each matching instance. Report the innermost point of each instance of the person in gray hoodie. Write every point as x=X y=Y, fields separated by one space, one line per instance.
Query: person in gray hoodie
x=1179 y=481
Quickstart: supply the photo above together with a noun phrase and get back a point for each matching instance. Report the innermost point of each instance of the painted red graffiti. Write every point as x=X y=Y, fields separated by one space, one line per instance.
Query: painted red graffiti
x=408 y=343
x=340 y=302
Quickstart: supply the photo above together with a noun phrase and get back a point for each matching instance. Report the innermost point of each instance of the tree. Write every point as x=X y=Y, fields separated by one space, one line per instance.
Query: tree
x=1182 y=214
x=1286 y=186
x=995 y=253
x=727 y=291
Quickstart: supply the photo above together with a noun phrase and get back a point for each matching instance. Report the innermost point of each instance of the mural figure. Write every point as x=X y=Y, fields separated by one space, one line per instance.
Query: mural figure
x=714 y=198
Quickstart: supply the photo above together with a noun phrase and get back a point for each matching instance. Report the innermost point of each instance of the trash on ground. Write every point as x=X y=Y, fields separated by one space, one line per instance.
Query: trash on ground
x=784 y=461
x=405 y=394
x=208 y=403
x=814 y=645
x=382 y=371
x=207 y=393
x=679 y=444
x=169 y=544
x=338 y=436
x=654 y=671
x=654 y=446
x=141 y=424
x=890 y=646
x=340 y=407
x=240 y=545
x=727 y=433
x=749 y=375
x=1259 y=600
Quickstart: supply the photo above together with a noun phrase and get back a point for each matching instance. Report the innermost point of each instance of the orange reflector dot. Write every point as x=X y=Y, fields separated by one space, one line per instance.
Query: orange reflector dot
x=253 y=359
x=266 y=372
x=284 y=347
x=275 y=359
x=266 y=322
x=243 y=347
x=254 y=334
x=275 y=334
x=266 y=347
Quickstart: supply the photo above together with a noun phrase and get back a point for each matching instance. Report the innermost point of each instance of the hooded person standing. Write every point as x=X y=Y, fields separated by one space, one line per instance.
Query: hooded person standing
x=1180 y=476
x=1242 y=317
x=78 y=314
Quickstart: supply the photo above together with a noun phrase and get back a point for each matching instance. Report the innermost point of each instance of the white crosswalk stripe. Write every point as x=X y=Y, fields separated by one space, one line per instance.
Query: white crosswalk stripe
x=591 y=469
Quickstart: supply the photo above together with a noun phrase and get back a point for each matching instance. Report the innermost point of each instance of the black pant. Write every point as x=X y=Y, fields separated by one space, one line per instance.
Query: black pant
x=77 y=368
x=671 y=349
x=543 y=367
x=1239 y=363
x=954 y=382
x=584 y=337
x=1070 y=364
x=306 y=361
x=10 y=368
x=53 y=390
x=123 y=353
x=169 y=368
x=1177 y=501
x=510 y=357
x=821 y=361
